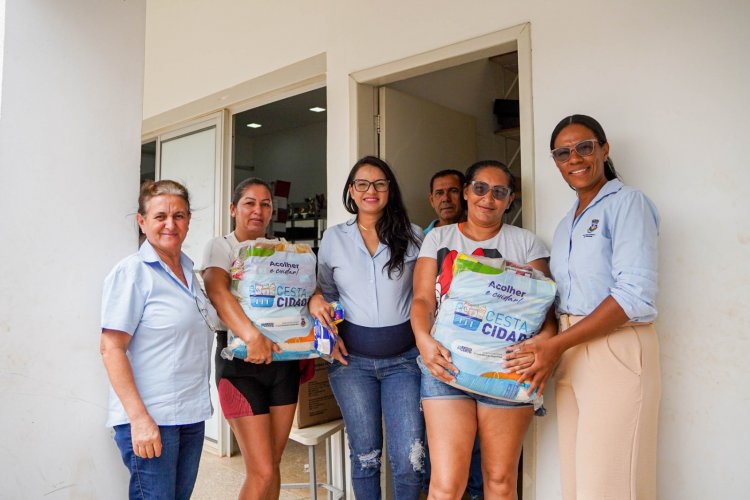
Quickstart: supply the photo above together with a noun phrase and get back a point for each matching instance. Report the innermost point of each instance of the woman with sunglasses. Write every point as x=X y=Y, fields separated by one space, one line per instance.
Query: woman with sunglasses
x=258 y=397
x=604 y=256
x=156 y=345
x=366 y=264
x=501 y=425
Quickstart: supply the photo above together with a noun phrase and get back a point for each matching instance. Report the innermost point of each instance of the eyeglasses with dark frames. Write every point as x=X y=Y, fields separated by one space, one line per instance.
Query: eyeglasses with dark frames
x=499 y=192
x=583 y=148
x=362 y=185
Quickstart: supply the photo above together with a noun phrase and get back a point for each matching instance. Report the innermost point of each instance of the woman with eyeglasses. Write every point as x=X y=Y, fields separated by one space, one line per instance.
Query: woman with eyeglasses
x=258 y=397
x=604 y=260
x=366 y=264
x=156 y=344
x=501 y=425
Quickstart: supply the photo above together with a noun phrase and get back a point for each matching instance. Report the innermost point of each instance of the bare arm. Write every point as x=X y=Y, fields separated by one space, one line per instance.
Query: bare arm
x=435 y=357
x=145 y=435
x=259 y=347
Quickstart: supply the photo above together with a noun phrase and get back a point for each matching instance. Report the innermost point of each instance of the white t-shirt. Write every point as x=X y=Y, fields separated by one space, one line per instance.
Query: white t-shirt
x=445 y=243
x=221 y=251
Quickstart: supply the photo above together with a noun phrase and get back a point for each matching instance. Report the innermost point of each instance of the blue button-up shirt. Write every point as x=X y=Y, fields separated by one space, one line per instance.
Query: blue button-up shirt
x=609 y=249
x=347 y=273
x=170 y=349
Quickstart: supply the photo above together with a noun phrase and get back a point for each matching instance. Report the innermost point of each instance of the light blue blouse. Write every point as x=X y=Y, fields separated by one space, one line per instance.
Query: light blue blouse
x=609 y=249
x=347 y=273
x=170 y=349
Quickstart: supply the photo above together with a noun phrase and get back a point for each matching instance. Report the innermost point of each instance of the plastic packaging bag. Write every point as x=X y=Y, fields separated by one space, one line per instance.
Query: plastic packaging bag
x=273 y=281
x=326 y=339
x=492 y=304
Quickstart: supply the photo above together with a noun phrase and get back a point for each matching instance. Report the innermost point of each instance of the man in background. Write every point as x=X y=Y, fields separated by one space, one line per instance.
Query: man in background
x=446 y=198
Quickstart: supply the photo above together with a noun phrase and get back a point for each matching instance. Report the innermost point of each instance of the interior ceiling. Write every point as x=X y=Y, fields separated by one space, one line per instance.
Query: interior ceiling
x=285 y=114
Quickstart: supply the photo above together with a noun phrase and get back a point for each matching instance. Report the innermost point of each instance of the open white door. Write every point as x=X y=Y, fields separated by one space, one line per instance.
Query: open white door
x=418 y=138
x=192 y=155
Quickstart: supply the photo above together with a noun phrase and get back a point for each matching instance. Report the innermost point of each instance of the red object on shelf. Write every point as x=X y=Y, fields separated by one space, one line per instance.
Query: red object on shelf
x=281 y=188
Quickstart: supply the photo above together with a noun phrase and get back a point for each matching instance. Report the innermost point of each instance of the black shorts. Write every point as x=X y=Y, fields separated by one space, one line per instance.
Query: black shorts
x=251 y=389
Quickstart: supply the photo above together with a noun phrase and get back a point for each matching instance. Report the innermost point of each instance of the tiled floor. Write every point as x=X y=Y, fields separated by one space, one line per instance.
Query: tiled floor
x=220 y=478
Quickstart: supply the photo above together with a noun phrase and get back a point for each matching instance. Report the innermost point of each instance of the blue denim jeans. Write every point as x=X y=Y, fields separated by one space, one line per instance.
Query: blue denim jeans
x=173 y=474
x=370 y=391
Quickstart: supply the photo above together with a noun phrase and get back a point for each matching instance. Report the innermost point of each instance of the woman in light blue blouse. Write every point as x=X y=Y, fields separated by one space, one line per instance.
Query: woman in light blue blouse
x=367 y=264
x=604 y=260
x=155 y=344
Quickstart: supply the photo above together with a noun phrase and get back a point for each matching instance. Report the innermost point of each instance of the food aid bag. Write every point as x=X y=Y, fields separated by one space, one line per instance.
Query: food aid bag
x=273 y=281
x=492 y=304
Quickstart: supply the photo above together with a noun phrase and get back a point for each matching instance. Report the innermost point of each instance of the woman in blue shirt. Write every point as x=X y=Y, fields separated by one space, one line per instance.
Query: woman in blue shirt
x=367 y=264
x=155 y=343
x=604 y=260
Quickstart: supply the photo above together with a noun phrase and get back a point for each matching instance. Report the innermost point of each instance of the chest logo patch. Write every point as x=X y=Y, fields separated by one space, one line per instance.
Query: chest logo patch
x=593 y=227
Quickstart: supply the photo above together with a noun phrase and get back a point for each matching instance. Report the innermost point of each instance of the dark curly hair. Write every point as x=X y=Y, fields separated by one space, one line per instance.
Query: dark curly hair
x=394 y=228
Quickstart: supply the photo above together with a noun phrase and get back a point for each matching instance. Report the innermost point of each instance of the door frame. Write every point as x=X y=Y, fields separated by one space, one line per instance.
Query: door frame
x=297 y=78
x=363 y=108
x=363 y=87
x=302 y=76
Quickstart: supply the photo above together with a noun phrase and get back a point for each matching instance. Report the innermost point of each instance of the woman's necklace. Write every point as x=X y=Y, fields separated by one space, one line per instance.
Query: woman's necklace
x=363 y=227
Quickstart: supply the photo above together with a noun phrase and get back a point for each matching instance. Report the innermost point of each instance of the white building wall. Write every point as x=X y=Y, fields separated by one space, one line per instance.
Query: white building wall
x=2 y=51
x=669 y=82
x=72 y=77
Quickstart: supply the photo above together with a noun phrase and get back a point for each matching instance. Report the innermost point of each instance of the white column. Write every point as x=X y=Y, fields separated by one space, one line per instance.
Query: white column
x=72 y=79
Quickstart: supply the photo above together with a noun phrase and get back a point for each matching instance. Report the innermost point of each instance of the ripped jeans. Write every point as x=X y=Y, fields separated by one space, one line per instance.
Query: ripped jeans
x=367 y=389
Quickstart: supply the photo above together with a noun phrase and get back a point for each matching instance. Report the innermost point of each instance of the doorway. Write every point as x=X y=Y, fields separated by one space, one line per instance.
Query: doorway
x=451 y=118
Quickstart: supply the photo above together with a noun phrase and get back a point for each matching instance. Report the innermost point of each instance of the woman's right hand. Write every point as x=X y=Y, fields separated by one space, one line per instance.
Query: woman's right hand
x=145 y=437
x=260 y=348
x=321 y=310
x=437 y=359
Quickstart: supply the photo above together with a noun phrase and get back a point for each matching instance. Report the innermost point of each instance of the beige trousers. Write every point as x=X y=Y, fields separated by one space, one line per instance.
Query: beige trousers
x=608 y=393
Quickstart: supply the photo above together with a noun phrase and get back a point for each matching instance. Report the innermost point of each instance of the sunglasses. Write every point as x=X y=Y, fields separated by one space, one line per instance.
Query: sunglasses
x=363 y=185
x=499 y=192
x=583 y=148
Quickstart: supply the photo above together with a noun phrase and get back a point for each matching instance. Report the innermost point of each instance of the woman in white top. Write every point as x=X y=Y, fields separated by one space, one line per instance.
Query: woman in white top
x=501 y=425
x=258 y=397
